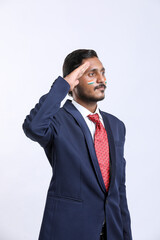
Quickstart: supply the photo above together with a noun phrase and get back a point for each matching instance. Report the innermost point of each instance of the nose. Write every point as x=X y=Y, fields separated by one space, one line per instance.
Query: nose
x=101 y=78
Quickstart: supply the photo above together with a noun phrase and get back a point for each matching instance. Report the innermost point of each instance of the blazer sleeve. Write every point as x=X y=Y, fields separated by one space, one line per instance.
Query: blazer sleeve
x=38 y=125
x=123 y=203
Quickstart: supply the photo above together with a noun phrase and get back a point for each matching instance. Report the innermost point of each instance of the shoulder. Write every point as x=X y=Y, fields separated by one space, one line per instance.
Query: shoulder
x=113 y=119
x=115 y=123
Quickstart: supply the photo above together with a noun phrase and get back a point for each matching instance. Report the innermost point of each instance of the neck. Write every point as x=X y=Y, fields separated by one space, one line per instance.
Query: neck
x=91 y=106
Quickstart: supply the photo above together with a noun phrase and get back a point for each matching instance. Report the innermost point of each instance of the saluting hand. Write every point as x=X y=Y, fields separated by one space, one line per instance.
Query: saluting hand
x=73 y=77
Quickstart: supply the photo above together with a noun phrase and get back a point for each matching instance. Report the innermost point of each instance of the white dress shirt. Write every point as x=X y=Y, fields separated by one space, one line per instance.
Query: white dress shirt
x=85 y=112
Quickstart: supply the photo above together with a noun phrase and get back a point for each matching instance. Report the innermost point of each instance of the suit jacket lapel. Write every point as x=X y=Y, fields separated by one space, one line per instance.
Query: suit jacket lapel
x=111 y=147
x=69 y=107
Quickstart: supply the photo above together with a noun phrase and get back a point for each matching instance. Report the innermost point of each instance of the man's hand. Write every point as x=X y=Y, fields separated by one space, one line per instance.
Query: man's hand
x=73 y=77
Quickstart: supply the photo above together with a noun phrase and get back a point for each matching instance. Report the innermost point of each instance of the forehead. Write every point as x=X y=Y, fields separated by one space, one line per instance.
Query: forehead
x=95 y=63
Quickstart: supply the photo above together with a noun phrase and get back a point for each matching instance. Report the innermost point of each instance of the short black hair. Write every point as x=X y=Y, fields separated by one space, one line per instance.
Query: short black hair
x=75 y=58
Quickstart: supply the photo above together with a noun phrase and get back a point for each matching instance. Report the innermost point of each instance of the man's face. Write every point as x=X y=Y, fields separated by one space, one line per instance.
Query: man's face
x=92 y=84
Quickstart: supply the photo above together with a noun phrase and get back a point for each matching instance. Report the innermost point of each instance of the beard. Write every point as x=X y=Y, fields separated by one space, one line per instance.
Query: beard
x=86 y=97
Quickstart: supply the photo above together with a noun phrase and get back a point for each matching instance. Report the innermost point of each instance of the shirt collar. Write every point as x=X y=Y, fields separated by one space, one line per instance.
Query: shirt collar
x=84 y=111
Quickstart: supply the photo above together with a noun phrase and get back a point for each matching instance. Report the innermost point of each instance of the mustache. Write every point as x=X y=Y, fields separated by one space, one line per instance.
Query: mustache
x=100 y=85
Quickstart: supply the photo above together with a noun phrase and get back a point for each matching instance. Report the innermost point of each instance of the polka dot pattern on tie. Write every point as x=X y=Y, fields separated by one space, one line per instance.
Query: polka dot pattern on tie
x=102 y=148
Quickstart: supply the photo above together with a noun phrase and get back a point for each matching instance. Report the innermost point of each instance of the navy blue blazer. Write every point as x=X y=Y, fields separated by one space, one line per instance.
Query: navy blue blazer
x=77 y=202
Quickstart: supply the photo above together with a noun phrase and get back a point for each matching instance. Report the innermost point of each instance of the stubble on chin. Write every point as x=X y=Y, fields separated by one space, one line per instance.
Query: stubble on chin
x=87 y=97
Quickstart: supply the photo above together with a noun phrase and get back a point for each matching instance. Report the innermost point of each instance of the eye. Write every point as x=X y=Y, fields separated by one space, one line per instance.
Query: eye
x=91 y=74
x=103 y=73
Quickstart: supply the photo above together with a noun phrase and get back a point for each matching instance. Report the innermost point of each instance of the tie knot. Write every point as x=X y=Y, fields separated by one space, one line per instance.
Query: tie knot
x=94 y=118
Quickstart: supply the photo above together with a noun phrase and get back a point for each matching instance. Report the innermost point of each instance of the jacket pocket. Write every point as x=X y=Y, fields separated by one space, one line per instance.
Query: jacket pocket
x=65 y=198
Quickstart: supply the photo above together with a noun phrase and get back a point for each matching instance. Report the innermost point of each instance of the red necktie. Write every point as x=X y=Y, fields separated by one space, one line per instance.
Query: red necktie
x=102 y=148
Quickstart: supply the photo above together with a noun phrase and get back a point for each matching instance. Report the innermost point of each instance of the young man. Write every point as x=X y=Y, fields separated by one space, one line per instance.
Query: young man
x=86 y=198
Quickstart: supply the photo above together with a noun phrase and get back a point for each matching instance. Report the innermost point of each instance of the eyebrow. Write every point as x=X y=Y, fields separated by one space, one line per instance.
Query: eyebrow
x=95 y=69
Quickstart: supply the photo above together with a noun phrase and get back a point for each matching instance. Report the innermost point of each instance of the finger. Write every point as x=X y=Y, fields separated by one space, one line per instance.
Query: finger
x=77 y=82
x=84 y=66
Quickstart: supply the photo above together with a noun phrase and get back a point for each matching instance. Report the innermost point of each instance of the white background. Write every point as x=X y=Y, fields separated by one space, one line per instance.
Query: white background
x=35 y=38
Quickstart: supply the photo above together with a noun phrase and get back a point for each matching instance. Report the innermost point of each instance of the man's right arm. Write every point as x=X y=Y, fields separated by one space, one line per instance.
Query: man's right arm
x=37 y=125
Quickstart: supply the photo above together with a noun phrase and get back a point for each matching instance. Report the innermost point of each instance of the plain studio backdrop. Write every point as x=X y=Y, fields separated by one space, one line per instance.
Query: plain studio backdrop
x=35 y=38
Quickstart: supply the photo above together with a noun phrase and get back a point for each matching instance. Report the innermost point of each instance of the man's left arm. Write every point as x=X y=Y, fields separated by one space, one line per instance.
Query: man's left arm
x=123 y=203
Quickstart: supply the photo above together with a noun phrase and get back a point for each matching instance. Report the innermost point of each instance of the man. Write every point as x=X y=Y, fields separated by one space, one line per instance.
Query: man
x=86 y=198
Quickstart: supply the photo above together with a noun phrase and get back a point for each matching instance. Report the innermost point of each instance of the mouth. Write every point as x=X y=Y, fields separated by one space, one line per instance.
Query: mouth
x=101 y=88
